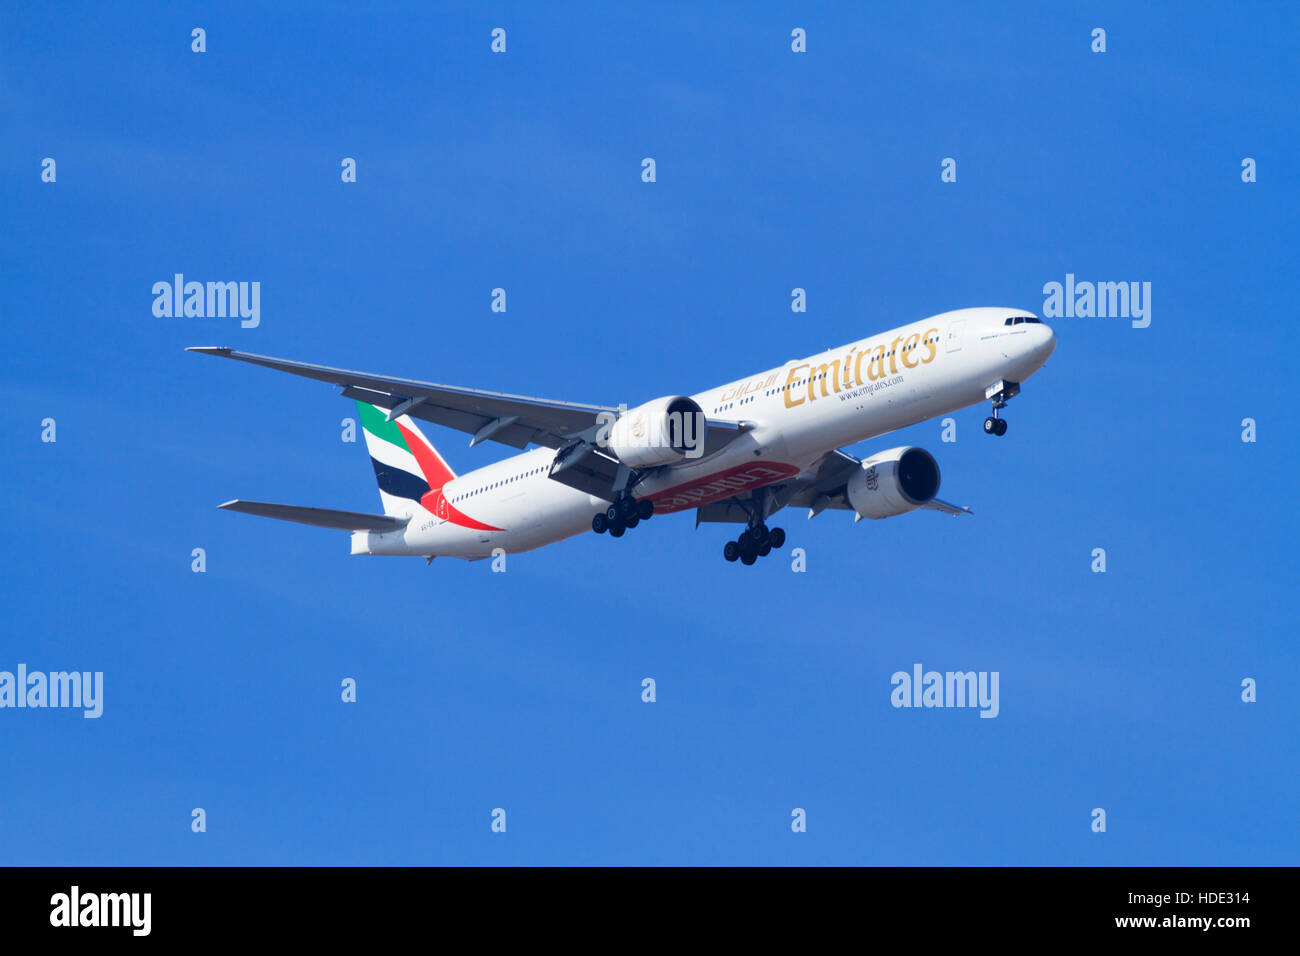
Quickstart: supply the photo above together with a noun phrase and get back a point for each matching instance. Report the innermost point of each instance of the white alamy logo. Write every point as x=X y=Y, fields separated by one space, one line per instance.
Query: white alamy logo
x=1102 y=300
x=923 y=688
x=75 y=908
x=212 y=300
x=84 y=689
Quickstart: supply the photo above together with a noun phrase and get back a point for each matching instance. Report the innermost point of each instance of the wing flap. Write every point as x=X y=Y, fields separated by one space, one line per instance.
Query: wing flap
x=585 y=469
x=723 y=512
x=320 y=517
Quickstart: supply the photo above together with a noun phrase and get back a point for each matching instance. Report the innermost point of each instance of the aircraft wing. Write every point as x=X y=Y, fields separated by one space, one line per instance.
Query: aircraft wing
x=817 y=488
x=827 y=488
x=514 y=420
x=934 y=504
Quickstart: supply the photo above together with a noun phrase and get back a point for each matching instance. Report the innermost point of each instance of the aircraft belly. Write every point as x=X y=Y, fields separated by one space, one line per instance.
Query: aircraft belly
x=756 y=459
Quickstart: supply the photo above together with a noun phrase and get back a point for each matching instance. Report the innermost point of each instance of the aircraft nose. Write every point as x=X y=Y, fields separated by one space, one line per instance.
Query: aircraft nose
x=1046 y=343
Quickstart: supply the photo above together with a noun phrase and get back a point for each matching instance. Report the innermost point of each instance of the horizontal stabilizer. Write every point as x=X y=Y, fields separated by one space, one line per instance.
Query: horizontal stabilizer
x=321 y=517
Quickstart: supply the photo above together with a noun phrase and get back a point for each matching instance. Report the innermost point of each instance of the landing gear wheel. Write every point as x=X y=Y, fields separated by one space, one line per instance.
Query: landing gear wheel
x=765 y=549
x=759 y=535
x=746 y=541
x=600 y=524
x=748 y=555
x=611 y=513
x=731 y=551
x=644 y=509
x=1005 y=391
x=616 y=529
x=776 y=538
x=627 y=508
x=632 y=522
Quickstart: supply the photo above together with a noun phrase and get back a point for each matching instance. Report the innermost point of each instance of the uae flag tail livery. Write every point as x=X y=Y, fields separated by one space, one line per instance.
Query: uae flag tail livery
x=408 y=468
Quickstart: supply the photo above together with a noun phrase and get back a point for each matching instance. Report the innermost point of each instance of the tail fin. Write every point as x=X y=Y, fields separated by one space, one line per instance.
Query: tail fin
x=407 y=466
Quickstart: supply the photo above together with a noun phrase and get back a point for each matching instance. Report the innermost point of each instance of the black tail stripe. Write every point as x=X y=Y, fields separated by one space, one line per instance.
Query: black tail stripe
x=400 y=483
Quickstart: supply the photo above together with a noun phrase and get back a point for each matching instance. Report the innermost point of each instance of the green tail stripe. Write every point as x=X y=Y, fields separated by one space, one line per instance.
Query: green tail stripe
x=376 y=423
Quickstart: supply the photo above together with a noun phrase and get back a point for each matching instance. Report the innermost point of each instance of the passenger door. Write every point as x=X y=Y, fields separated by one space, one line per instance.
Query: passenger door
x=954 y=335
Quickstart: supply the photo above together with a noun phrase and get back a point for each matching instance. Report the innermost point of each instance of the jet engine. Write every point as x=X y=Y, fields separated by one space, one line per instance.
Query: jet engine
x=661 y=432
x=893 y=482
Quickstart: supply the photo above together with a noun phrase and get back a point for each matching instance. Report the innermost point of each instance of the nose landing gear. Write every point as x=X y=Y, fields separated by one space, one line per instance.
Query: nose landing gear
x=1001 y=392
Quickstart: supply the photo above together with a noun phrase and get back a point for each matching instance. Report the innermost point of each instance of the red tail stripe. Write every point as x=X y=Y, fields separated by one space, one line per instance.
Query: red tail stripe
x=436 y=473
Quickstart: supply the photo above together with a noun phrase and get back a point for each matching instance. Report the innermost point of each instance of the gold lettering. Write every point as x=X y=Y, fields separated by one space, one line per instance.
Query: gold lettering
x=931 y=337
x=893 y=355
x=822 y=373
x=788 y=391
x=876 y=368
x=910 y=344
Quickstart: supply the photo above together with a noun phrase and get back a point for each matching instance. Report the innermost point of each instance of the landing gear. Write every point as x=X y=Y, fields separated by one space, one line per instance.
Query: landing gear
x=754 y=543
x=994 y=425
x=626 y=512
x=1001 y=392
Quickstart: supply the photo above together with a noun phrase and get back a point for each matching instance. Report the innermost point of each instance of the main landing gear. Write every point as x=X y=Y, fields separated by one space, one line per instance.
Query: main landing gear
x=1001 y=393
x=757 y=542
x=626 y=512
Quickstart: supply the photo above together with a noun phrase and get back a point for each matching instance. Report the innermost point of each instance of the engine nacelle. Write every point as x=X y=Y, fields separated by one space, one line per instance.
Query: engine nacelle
x=893 y=482
x=659 y=433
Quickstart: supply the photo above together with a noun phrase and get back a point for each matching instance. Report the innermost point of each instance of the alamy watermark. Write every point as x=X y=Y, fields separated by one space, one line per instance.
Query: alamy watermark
x=675 y=424
x=212 y=300
x=922 y=688
x=128 y=910
x=84 y=689
x=1102 y=300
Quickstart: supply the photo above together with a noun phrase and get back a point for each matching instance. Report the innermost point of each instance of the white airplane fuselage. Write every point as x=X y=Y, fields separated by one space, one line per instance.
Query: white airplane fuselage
x=798 y=412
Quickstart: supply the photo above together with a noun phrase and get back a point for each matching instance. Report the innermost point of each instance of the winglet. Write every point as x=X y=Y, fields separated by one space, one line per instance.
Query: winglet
x=209 y=349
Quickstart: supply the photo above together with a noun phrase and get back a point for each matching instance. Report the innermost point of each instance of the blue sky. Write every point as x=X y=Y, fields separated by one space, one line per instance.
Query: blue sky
x=521 y=690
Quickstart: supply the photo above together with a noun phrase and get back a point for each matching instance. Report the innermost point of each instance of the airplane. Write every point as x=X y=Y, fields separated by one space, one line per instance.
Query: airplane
x=736 y=454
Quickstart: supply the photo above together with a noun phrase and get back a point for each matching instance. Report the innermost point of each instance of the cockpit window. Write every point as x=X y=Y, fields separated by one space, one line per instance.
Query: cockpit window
x=1017 y=319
